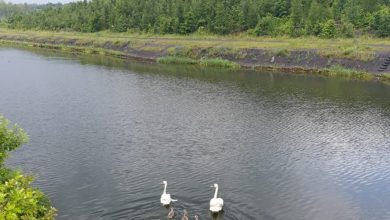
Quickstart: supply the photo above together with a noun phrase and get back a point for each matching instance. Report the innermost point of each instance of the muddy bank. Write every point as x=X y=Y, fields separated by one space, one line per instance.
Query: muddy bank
x=298 y=60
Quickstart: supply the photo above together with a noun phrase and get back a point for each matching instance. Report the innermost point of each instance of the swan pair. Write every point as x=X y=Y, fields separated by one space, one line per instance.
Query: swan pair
x=216 y=204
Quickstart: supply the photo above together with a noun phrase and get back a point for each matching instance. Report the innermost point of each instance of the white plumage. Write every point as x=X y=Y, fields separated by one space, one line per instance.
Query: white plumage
x=166 y=198
x=216 y=204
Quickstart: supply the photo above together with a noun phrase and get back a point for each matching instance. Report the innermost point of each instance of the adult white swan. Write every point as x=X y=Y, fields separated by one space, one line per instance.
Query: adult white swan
x=166 y=198
x=216 y=204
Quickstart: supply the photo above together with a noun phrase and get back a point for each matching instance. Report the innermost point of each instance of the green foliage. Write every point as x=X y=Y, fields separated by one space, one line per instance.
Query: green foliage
x=10 y=138
x=381 y=22
x=18 y=200
x=266 y=26
x=265 y=17
x=297 y=13
x=329 y=29
x=346 y=29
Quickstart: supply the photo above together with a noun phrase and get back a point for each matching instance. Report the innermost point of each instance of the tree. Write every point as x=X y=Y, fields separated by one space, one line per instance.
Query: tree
x=329 y=29
x=18 y=200
x=189 y=24
x=266 y=26
x=220 y=25
x=313 y=25
x=296 y=16
x=381 y=23
x=186 y=16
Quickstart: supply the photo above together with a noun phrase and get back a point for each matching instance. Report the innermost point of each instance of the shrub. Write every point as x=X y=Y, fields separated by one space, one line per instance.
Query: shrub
x=329 y=29
x=18 y=200
x=266 y=26
x=346 y=29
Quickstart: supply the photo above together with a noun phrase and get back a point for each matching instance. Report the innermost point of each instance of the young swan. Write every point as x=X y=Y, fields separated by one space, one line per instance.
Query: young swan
x=166 y=198
x=185 y=216
x=171 y=213
x=216 y=204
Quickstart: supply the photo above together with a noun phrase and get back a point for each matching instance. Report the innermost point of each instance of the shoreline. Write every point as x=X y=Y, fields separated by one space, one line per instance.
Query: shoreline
x=360 y=64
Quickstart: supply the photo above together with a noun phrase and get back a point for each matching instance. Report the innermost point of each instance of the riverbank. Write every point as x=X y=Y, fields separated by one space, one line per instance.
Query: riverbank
x=354 y=58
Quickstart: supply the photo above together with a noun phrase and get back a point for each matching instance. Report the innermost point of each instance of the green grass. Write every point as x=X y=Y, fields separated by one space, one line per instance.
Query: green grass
x=351 y=51
x=282 y=52
x=217 y=62
x=176 y=60
x=386 y=76
x=213 y=62
x=340 y=71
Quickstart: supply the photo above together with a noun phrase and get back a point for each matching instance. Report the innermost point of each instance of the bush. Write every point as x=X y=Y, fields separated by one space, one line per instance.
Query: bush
x=329 y=29
x=266 y=26
x=18 y=200
x=346 y=29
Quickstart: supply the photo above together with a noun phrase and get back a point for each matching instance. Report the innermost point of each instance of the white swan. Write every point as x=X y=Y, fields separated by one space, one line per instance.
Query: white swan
x=216 y=204
x=166 y=198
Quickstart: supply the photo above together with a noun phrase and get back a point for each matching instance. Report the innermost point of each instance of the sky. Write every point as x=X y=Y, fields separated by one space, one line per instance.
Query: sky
x=39 y=1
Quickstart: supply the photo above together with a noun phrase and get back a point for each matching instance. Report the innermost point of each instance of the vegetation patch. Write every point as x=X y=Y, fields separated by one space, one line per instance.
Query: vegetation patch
x=219 y=63
x=282 y=52
x=354 y=51
x=340 y=71
x=18 y=200
x=176 y=60
x=386 y=76
x=293 y=18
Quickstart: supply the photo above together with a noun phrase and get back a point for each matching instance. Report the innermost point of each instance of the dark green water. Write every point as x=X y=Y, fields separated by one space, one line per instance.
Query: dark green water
x=104 y=133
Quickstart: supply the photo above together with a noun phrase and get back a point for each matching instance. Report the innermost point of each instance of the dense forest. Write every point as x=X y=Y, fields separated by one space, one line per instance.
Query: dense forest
x=8 y=9
x=324 y=18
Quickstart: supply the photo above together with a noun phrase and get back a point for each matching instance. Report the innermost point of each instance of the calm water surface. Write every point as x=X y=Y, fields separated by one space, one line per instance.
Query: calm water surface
x=105 y=133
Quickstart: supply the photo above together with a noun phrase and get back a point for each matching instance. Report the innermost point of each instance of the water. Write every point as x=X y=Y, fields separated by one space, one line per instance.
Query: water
x=105 y=133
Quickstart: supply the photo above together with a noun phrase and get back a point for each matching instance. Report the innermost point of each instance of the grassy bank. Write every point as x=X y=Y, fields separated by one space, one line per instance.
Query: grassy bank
x=358 y=48
x=232 y=51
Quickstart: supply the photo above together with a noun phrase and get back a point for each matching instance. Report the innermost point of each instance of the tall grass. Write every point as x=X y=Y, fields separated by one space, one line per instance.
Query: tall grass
x=217 y=62
x=386 y=76
x=340 y=71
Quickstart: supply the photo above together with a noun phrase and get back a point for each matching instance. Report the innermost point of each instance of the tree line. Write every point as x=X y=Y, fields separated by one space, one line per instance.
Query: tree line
x=324 y=18
x=8 y=9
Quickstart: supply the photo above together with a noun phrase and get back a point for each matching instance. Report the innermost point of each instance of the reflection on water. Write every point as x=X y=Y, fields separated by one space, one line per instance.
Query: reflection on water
x=105 y=133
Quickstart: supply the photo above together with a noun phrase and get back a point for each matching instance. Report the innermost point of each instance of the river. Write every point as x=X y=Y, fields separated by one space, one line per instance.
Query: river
x=104 y=133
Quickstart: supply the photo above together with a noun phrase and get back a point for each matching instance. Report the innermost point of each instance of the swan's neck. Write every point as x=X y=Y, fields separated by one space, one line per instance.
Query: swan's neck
x=216 y=192
x=165 y=189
